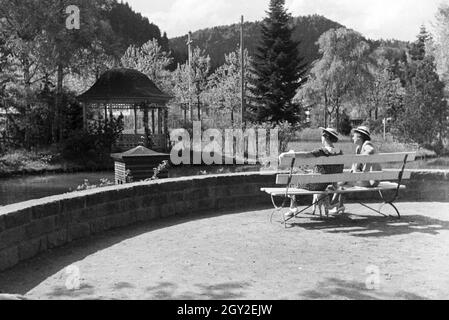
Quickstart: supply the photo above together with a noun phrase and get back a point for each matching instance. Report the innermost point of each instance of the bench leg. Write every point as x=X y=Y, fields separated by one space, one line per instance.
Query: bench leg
x=390 y=203
x=394 y=207
x=380 y=212
x=382 y=205
x=316 y=202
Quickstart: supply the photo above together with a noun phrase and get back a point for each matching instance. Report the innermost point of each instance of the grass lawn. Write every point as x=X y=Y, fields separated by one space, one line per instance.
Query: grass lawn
x=383 y=147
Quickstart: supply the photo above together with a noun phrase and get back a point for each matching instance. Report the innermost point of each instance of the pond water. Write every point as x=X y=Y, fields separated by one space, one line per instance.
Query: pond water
x=18 y=189
x=24 y=188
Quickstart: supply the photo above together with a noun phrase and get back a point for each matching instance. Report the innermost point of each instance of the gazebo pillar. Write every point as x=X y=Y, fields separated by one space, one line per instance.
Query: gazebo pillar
x=166 y=133
x=159 y=121
x=153 y=125
x=105 y=108
x=84 y=117
x=145 y=124
x=111 y=112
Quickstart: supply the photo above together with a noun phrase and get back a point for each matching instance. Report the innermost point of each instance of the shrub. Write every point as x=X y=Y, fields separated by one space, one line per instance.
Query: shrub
x=92 y=148
x=87 y=186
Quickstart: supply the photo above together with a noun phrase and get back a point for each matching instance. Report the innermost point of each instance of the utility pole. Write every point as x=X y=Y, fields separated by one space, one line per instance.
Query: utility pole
x=242 y=62
x=189 y=46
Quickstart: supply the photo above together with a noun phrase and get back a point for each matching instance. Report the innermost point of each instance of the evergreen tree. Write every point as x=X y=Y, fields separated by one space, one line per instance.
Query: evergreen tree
x=278 y=69
x=164 y=43
x=418 y=48
x=424 y=119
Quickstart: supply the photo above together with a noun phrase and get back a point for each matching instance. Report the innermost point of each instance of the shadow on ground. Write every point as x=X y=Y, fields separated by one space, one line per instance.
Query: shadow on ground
x=365 y=226
x=27 y=275
x=332 y=288
x=224 y=291
x=161 y=291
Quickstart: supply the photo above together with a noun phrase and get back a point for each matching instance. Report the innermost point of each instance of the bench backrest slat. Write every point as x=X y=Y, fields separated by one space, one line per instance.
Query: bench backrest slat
x=347 y=159
x=342 y=177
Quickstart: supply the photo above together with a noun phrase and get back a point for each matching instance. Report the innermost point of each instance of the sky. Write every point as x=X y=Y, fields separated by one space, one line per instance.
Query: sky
x=375 y=19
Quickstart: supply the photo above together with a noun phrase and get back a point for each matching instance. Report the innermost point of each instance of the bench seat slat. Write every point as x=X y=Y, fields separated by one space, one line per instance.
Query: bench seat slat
x=346 y=159
x=295 y=191
x=291 y=191
x=341 y=177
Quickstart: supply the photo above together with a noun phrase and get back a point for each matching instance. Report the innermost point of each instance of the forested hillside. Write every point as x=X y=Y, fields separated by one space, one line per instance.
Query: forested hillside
x=221 y=40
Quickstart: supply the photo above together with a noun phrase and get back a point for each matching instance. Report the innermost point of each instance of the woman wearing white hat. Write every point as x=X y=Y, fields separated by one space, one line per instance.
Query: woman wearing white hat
x=362 y=139
x=328 y=139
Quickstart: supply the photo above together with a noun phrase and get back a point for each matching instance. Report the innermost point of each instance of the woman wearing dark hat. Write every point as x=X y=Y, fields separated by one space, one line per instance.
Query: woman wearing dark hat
x=328 y=139
x=364 y=146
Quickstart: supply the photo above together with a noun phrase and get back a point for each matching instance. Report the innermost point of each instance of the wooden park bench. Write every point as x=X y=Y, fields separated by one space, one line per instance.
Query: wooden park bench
x=386 y=177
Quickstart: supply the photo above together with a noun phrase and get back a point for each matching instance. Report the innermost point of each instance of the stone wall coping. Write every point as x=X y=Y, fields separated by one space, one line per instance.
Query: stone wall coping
x=433 y=174
x=81 y=194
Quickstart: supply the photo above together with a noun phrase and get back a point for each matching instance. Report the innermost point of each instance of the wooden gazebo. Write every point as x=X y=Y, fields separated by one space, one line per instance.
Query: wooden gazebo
x=132 y=94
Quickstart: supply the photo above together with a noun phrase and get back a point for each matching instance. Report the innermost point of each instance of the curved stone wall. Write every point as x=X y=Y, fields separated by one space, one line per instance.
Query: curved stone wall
x=29 y=228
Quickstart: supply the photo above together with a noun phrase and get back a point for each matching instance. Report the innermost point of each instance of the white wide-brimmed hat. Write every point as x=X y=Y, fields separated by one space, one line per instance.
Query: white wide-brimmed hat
x=332 y=132
x=363 y=130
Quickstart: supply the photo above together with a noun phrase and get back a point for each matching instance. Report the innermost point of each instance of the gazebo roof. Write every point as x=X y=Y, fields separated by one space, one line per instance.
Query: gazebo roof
x=138 y=152
x=124 y=86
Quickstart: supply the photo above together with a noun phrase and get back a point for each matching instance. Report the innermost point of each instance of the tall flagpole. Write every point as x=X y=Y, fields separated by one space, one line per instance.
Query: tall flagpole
x=189 y=45
x=242 y=62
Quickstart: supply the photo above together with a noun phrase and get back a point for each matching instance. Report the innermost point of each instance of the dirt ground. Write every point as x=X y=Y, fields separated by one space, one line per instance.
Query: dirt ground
x=233 y=255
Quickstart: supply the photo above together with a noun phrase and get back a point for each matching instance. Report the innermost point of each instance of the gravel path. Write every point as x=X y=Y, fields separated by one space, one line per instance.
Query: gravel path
x=243 y=256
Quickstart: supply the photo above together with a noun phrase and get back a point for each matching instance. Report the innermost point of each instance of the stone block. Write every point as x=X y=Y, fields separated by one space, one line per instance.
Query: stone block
x=98 y=225
x=31 y=248
x=168 y=210
x=2 y=223
x=223 y=192
x=119 y=220
x=159 y=200
x=78 y=231
x=11 y=237
x=74 y=204
x=46 y=210
x=9 y=257
x=18 y=218
x=40 y=227
x=63 y=219
x=57 y=239
x=146 y=201
x=128 y=205
x=95 y=199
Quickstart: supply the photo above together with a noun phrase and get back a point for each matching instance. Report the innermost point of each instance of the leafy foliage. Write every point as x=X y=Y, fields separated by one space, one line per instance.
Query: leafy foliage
x=150 y=60
x=225 y=86
x=339 y=76
x=424 y=116
x=92 y=148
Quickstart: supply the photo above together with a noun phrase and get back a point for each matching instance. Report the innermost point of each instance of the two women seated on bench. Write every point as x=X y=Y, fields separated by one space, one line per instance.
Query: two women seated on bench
x=364 y=146
x=328 y=139
x=362 y=139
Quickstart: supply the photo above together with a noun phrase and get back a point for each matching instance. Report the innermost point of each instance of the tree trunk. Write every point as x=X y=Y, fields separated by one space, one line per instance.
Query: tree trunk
x=199 y=108
x=57 y=130
x=325 y=116
x=325 y=109
x=27 y=81
x=337 y=118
